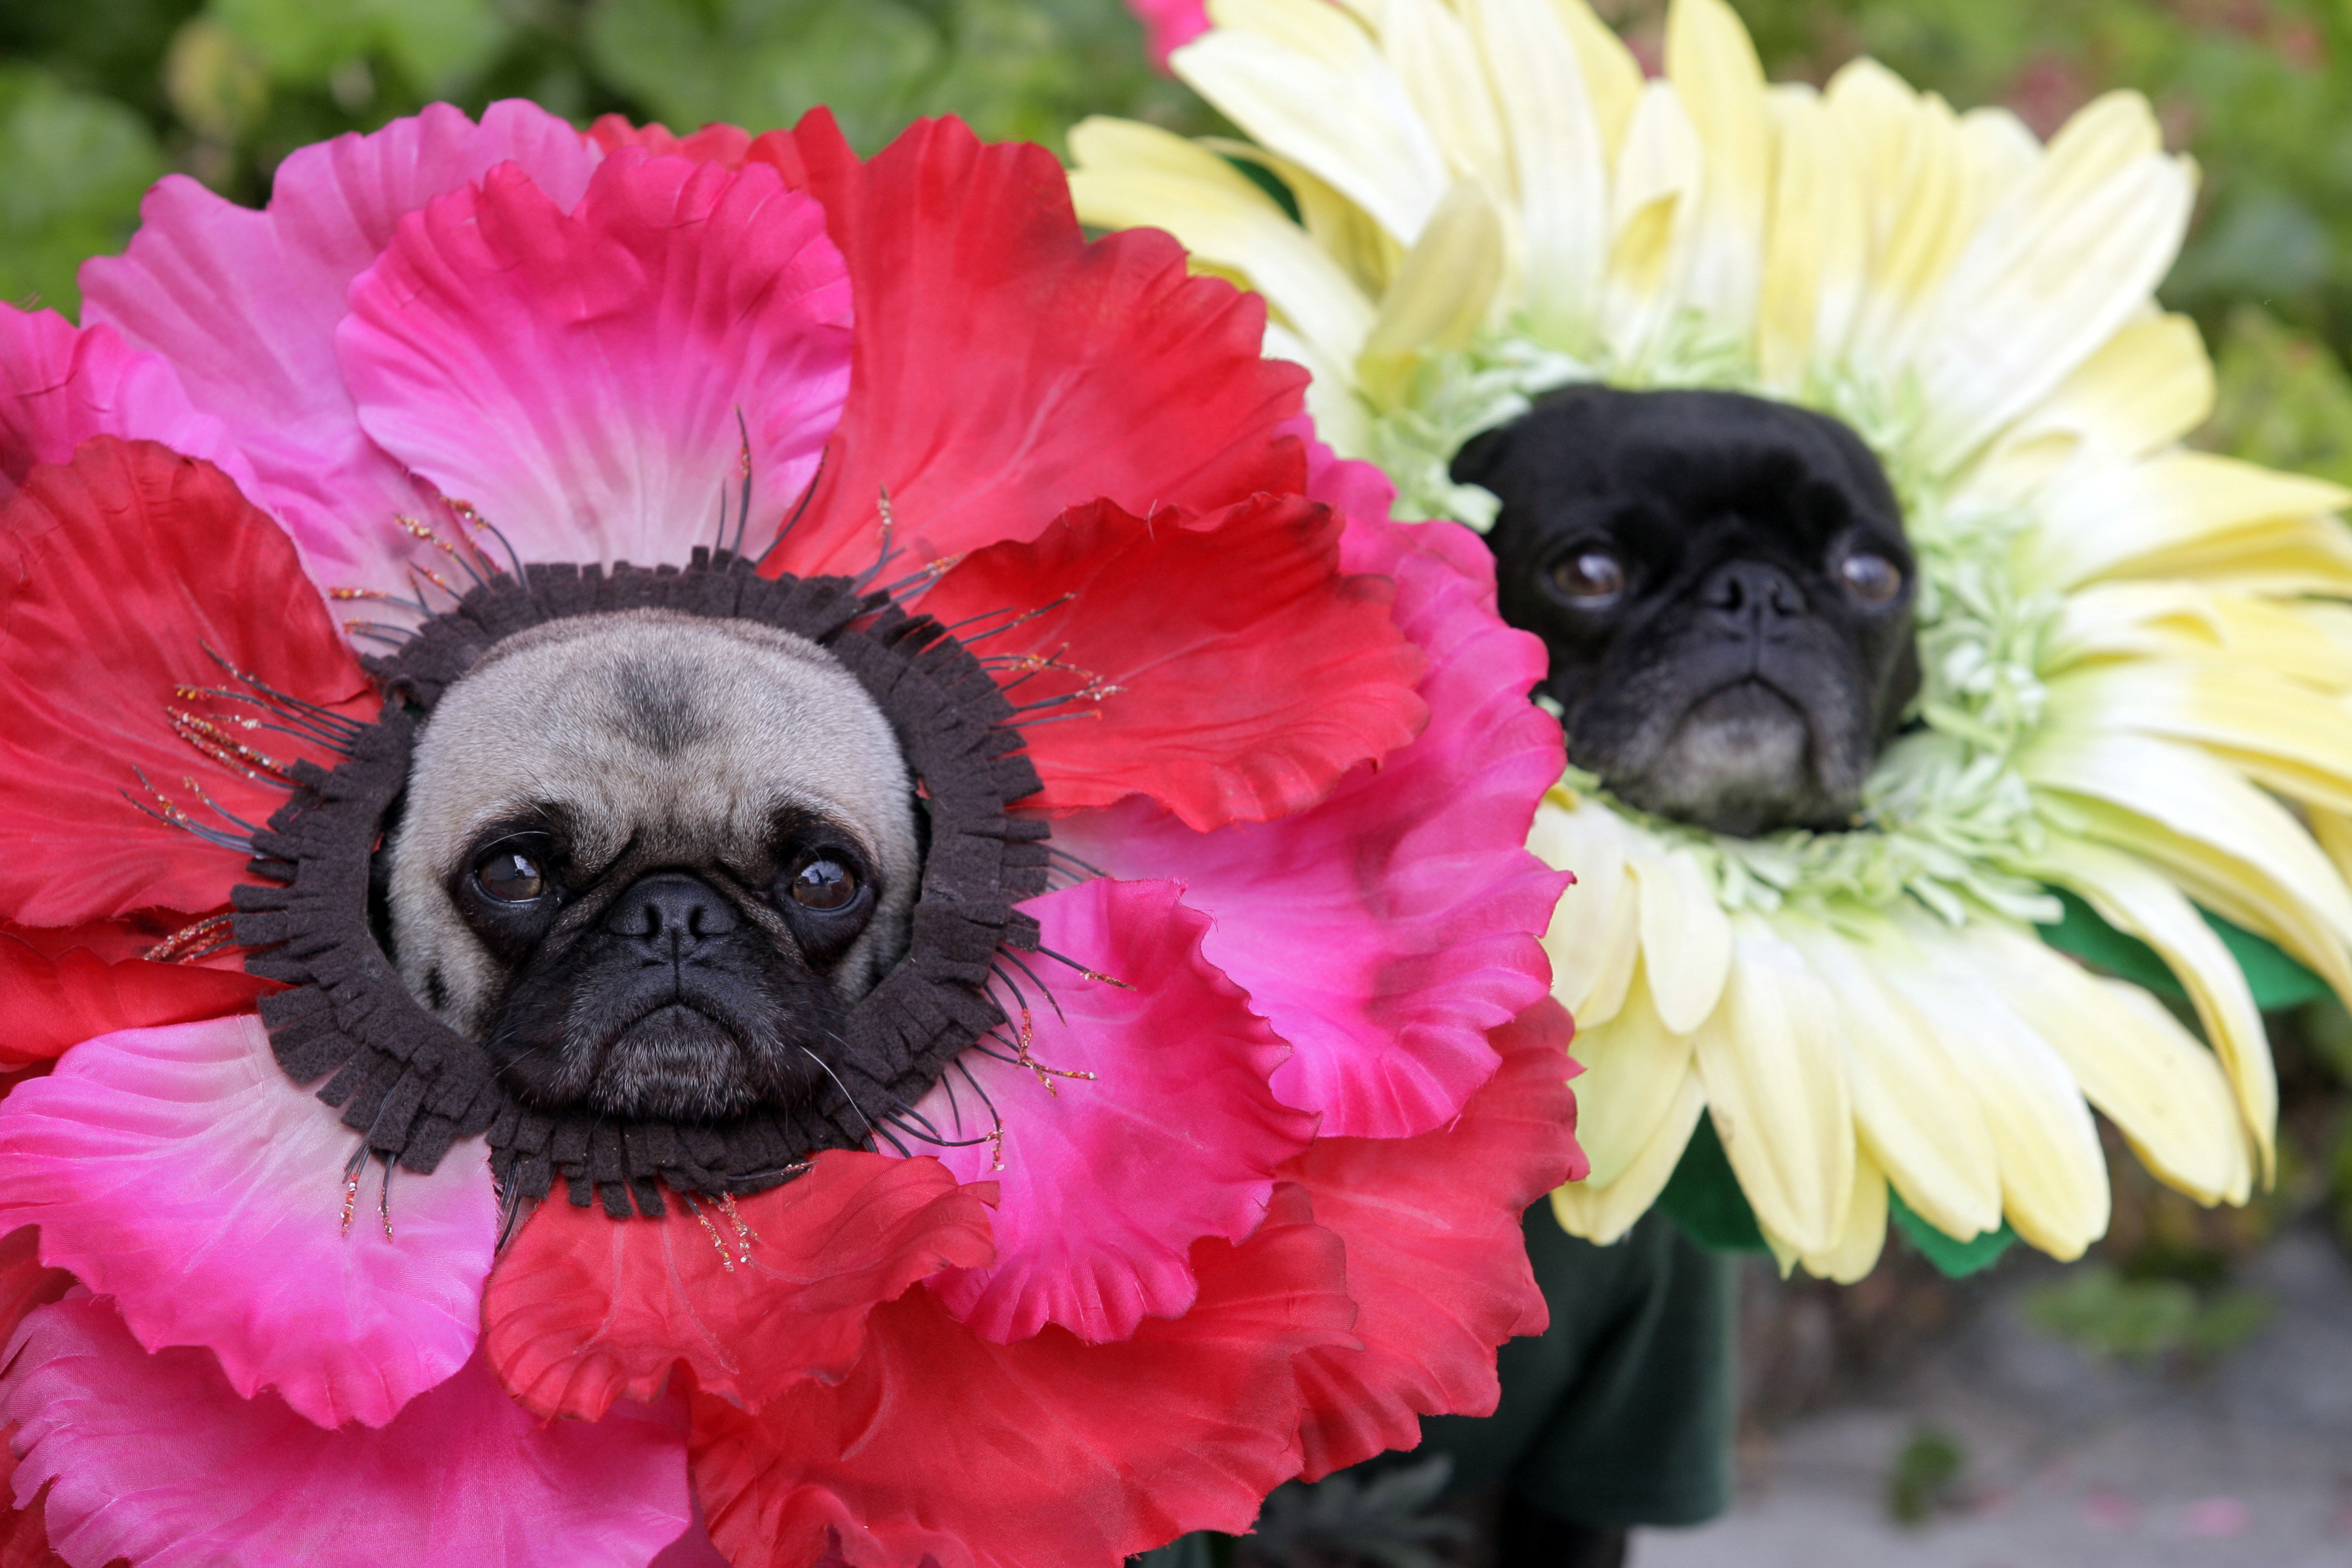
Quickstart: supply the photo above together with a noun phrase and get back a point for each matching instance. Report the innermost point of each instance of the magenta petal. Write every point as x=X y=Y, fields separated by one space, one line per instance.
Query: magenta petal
x=1146 y=1124
x=155 y=1459
x=1347 y=485
x=580 y=379
x=181 y=1172
x=1385 y=931
x=61 y=384
x=245 y=303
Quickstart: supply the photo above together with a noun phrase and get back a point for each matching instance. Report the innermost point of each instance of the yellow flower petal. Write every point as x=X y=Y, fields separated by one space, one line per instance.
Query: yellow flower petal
x=1775 y=1076
x=2231 y=847
x=2165 y=1091
x=1129 y=176
x=1913 y=172
x=1558 y=158
x=2139 y=901
x=2283 y=735
x=1594 y=939
x=1860 y=1243
x=1431 y=49
x=1714 y=68
x=2053 y=1177
x=1817 y=260
x=1658 y=188
x=1634 y=1067
x=1304 y=80
x=1912 y=1102
x=2150 y=385
x=2109 y=519
x=1441 y=293
x=1685 y=937
x=2304 y=642
x=1610 y=71
x=1601 y=1214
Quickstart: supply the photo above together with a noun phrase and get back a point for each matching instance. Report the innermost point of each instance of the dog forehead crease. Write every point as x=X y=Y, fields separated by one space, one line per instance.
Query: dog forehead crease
x=647 y=859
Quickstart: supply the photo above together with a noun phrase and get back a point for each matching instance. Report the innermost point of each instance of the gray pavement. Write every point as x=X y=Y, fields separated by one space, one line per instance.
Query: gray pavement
x=2073 y=1461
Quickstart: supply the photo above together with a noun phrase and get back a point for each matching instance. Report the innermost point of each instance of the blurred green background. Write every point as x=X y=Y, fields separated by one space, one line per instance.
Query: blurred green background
x=98 y=98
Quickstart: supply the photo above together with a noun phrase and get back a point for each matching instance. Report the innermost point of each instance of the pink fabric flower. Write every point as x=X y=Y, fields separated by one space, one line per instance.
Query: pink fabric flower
x=1169 y=24
x=1239 y=1160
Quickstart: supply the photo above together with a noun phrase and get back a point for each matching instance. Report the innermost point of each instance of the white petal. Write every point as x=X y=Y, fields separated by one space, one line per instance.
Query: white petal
x=1595 y=933
x=1634 y=1069
x=1601 y=1214
x=1685 y=937
x=1714 y=72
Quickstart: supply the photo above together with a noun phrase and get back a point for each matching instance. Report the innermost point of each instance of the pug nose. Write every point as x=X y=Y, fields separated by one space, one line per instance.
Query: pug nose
x=1750 y=593
x=670 y=913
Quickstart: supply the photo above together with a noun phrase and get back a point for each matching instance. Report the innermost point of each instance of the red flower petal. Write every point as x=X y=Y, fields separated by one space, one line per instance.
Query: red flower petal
x=1109 y=1179
x=587 y=379
x=118 y=572
x=1385 y=931
x=49 y=1004
x=154 y=1458
x=584 y=1310
x=1006 y=369
x=1043 y=1454
x=1434 y=1252
x=1220 y=664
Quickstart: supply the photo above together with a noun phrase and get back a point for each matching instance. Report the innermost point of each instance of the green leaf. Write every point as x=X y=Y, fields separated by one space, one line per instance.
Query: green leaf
x=1703 y=1196
x=436 y=44
x=1955 y=1258
x=2276 y=980
x=75 y=167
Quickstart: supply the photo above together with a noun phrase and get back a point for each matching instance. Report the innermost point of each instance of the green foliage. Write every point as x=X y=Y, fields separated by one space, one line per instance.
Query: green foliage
x=1924 y=1469
x=1956 y=1258
x=2107 y=1314
x=1703 y=1196
x=2276 y=980
x=76 y=165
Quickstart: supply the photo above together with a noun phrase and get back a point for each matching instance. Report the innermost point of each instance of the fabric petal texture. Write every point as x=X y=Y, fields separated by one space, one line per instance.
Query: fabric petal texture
x=1222 y=666
x=595 y=383
x=48 y=1004
x=1133 y=1117
x=154 y=1458
x=1435 y=1265
x=61 y=384
x=1043 y=1436
x=976 y=294
x=125 y=576
x=1387 y=1016
x=748 y=1297
x=180 y=1172
x=245 y=305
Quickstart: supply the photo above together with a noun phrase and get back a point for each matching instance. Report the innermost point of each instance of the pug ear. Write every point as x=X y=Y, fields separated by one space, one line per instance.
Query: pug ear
x=1483 y=455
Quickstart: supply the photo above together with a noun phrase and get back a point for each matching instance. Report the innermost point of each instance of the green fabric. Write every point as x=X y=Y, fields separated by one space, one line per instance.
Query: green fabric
x=1703 y=1195
x=1622 y=1412
x=1955 y=1258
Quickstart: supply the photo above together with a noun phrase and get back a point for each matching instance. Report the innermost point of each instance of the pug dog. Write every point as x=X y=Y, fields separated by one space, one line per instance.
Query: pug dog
x=1726 y=590
x=648 y=859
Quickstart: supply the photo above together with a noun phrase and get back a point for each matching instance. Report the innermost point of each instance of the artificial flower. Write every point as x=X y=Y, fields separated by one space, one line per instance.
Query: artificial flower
x=1248 y=1097
x=2128 y=659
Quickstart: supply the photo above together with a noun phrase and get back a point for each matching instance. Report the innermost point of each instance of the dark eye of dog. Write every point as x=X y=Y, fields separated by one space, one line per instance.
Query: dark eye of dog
x=825 y=885
x=1588 y=579
x=510 y=876
x=1871 y=577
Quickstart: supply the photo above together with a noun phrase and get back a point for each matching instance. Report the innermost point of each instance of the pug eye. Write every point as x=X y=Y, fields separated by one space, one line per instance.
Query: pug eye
x=825 y=885
x=1588 y=579
x=510 y=877
x=1871 y=577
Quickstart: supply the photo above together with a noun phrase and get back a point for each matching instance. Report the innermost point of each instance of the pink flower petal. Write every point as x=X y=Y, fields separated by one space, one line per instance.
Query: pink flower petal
x=1385 y=931
x=245 y=303
x=1169 y=24
x=1346 y=485
x=180 y=1170
x=154 y=1458
x=61 y=384
x=578 y=378
x=1108 y=1179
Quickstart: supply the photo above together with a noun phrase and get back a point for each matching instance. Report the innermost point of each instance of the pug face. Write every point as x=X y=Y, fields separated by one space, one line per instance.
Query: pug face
x=648 y=859
x=1725 y=591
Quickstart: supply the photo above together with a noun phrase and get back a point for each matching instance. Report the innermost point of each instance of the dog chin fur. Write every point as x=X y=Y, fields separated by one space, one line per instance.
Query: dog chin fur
x=639 y=747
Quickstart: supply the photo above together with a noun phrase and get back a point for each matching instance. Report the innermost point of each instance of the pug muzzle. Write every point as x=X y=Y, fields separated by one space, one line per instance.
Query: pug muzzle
x=647 y=861
x=1725 y=591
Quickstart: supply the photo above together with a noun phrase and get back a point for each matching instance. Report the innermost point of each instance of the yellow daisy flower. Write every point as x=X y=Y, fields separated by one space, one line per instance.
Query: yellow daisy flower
x=2125 y=666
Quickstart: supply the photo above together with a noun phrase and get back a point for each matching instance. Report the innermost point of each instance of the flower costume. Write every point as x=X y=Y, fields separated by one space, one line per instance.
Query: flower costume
x=1231 y=1121
x=2125 y=665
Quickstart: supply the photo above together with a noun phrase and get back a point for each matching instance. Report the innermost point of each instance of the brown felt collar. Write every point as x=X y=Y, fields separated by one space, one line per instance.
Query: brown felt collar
x=412 y=1087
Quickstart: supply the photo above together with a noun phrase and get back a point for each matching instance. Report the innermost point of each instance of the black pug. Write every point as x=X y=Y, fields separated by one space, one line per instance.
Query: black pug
x=1725 y=591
